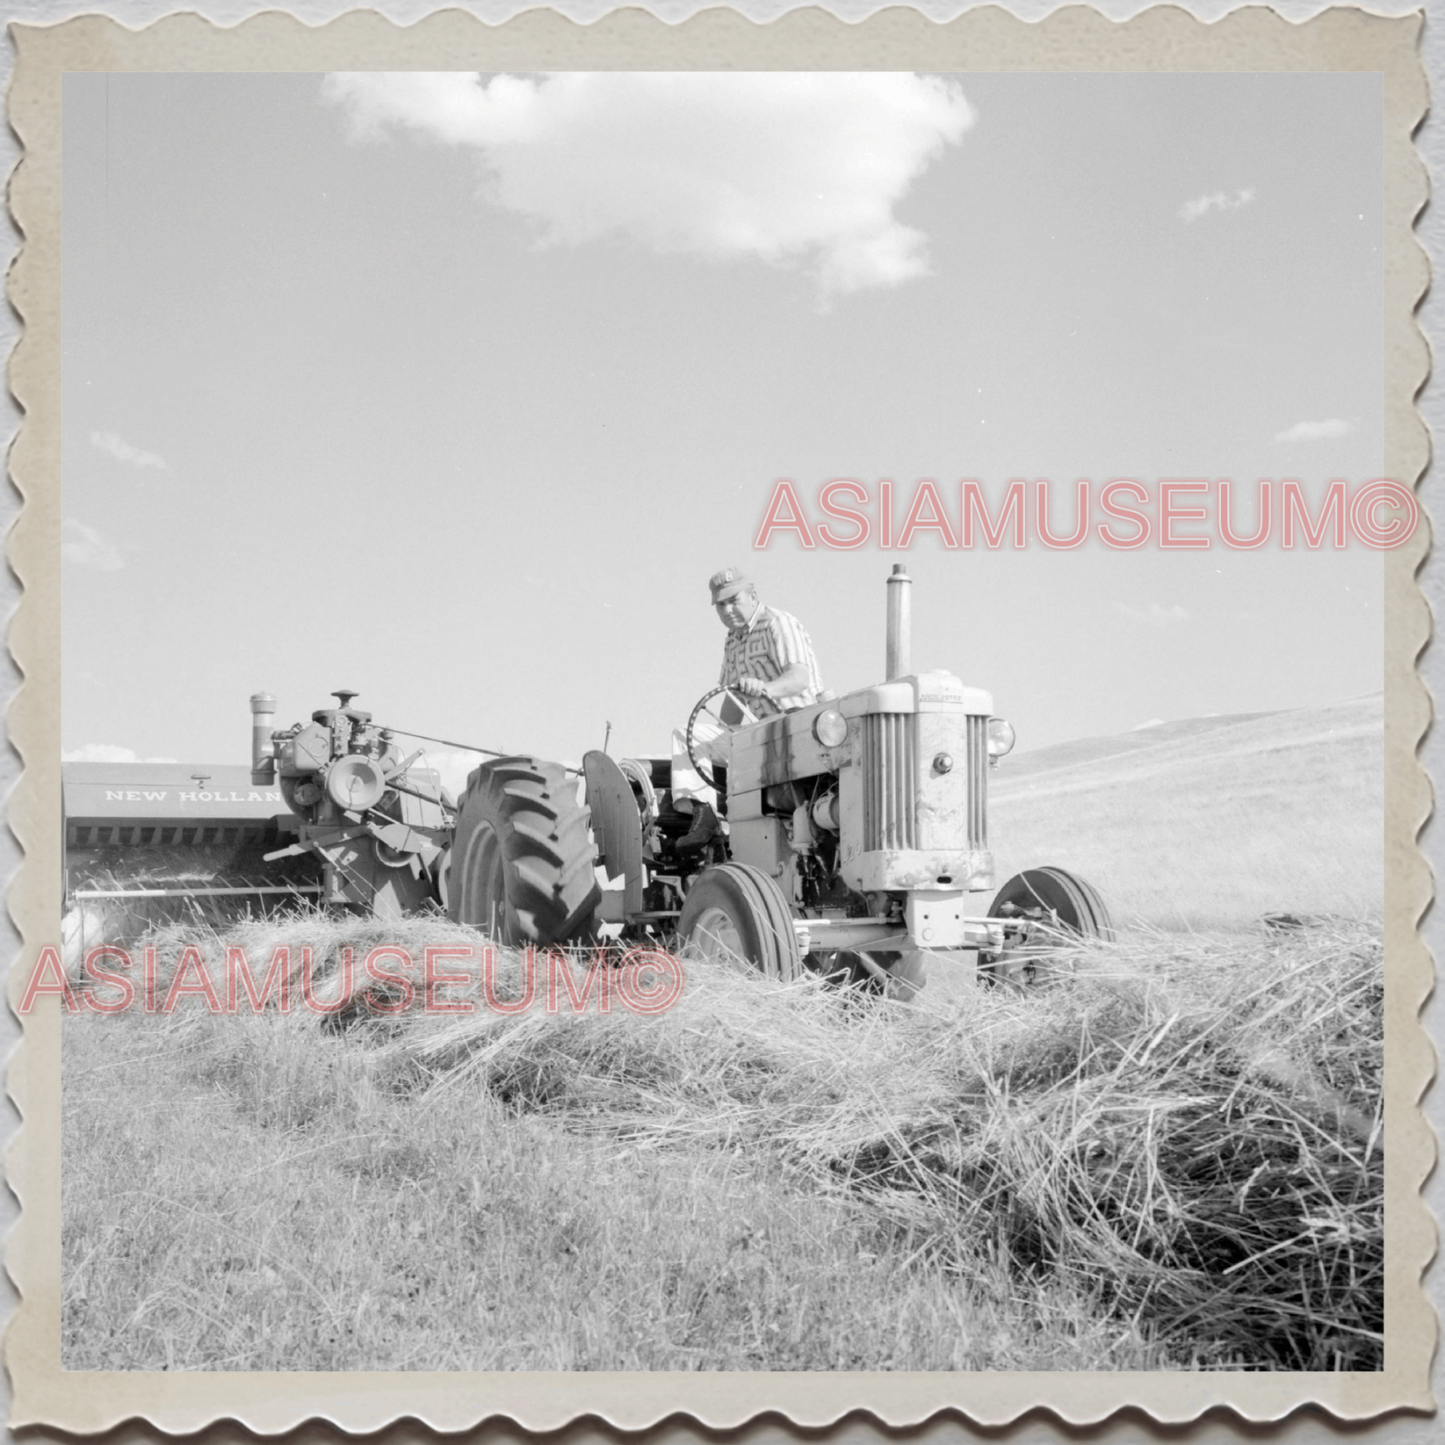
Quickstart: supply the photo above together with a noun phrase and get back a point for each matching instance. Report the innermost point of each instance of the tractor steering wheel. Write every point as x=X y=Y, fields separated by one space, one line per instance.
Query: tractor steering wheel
x=713 y=705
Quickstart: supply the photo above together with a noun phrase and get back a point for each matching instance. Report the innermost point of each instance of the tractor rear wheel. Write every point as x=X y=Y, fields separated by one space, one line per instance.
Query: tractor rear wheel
x=735 y=914
x=1044 y=908
x=522 y=856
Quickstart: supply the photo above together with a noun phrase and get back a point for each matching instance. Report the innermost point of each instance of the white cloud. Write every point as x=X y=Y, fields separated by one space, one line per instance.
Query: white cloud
x=1314 y=431
x=108 y=753
x=87 y=548
x=1215 y=201
x=115 y=446
x=781 y=167
x=1155 y=614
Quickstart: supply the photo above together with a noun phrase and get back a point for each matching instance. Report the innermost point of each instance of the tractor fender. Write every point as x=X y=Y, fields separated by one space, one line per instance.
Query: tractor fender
x=616 y=825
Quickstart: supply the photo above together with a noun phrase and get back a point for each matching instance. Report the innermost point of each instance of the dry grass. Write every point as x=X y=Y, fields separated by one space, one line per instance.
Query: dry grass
x=1170 y=1155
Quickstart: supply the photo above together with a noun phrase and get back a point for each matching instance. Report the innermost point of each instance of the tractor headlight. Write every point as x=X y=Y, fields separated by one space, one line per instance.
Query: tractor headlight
x=830 y=727
x=1000 y=737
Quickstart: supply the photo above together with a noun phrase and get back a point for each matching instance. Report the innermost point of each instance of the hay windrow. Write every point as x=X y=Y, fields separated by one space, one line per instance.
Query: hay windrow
x=1186 y=1129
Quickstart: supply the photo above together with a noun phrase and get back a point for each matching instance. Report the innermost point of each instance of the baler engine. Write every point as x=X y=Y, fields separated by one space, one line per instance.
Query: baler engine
x=380 y=824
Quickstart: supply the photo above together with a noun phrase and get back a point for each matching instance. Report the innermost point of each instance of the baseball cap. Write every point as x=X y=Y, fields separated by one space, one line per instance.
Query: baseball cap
x=727 y=583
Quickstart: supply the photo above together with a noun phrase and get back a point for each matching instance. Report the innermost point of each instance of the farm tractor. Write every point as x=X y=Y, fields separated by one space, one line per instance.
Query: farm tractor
x=850 y=836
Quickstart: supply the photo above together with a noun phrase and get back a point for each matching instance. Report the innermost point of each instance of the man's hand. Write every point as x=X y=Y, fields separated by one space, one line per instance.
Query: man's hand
x=752 y=687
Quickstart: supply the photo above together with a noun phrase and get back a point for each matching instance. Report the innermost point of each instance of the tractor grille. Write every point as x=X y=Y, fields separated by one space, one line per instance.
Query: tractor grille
x=977 y=782
x=889 y=775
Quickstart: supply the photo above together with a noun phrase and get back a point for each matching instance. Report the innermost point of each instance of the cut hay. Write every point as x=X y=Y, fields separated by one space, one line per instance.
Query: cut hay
x=1185 y=1130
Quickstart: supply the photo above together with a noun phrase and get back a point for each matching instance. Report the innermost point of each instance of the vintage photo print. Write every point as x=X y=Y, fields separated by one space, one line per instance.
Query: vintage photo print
x=719 y=718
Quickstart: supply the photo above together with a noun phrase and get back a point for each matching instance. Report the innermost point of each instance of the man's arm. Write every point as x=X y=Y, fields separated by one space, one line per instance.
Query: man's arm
x=793 y=650
x=788 y=683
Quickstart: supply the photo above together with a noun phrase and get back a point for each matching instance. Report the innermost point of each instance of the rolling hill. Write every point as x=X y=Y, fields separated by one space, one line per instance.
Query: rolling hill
x=1208 y=822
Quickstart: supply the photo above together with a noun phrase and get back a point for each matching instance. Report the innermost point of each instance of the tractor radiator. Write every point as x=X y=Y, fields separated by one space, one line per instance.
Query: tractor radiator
x=977 y=782
x=889 y=773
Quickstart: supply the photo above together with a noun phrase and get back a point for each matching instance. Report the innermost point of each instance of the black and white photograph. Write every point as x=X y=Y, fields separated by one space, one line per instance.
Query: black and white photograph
x=723 y=721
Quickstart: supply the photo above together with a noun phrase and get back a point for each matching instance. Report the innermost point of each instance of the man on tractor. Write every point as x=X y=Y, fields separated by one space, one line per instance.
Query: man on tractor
x=769 y=667
x=768 y=656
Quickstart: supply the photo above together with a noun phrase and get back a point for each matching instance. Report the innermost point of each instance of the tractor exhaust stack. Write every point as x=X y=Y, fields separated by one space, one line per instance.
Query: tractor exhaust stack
x=899 y=660
x=263 y=756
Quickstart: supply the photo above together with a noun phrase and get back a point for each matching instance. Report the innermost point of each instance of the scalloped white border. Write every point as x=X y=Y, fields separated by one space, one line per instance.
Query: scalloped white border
x=1073 y=38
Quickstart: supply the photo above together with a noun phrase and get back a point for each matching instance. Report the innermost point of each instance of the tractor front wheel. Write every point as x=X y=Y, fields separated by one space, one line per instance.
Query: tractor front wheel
x=522 y=857
x=1042 y=909
x=735 y=914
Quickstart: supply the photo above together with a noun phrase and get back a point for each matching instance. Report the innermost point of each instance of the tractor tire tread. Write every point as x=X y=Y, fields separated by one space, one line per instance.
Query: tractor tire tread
x=546 y=842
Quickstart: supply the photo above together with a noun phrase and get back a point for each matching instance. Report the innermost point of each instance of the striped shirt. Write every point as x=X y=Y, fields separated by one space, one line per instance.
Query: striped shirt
x=770 y=644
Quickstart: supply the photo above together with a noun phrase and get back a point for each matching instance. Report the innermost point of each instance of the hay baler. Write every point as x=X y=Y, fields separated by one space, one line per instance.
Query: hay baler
x=329 y=813
x=376 y=824
x=147 y=843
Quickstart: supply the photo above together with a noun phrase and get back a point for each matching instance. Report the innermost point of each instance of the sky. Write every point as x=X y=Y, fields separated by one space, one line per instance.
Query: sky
x=454 y=390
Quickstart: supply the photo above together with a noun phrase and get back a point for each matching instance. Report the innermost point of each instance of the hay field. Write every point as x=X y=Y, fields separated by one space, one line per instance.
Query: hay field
x=1167 y=1155
x=1211 y=822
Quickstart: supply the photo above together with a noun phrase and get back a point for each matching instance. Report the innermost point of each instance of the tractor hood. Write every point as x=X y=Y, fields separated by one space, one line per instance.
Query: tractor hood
x=922 y=692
